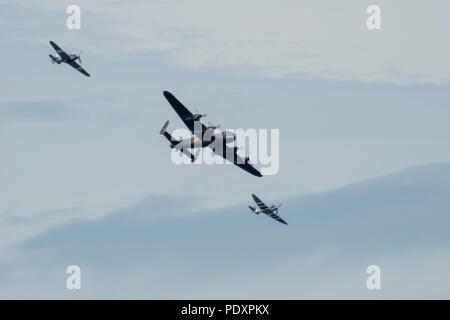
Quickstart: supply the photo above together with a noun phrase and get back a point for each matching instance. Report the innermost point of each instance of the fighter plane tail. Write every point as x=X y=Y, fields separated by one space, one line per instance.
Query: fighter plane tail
x=253 y=209
x=53 y=58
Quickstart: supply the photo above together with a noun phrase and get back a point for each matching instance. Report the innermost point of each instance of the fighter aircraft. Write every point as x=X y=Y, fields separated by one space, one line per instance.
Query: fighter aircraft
x=271 y=211
x=204 y=136
x=70 y=59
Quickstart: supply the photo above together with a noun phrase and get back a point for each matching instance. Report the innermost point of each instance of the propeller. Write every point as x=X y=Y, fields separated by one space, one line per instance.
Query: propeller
x=277 y=207
x=79 y=57
x=198 y=113
x=211 y=126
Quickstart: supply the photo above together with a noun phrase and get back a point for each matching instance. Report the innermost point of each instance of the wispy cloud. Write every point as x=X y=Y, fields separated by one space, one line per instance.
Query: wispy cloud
x=37 y=111
x=234 y=254
x=64 y=148
x=283 y=39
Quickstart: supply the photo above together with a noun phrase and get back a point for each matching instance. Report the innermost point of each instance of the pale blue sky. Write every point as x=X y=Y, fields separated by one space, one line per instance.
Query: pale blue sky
x=350 y=105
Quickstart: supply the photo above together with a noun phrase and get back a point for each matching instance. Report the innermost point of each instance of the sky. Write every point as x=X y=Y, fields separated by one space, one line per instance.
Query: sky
x=351 y=105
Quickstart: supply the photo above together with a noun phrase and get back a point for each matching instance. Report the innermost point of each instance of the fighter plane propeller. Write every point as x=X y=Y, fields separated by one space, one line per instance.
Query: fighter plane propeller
x=79 y=57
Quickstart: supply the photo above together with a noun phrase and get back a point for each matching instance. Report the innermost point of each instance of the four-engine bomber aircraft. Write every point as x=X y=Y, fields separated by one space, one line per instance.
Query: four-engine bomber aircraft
x=66 y=58
x=198 y=140
x=271 y=211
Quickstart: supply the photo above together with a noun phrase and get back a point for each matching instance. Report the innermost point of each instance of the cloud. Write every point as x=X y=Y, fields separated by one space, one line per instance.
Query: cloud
x=398 y=222
x=100 y=154
x=38 y=111
x=94 y=146
x=405 y=275
x=325 y=40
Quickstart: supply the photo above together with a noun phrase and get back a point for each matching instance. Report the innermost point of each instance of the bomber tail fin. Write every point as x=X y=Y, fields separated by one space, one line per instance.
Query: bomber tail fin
x=164 y=128
x=167 y=135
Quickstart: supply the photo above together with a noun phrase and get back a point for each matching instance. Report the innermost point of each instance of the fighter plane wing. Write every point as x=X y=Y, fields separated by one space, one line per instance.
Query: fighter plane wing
x=78 y=67
x=260 y=204
x=184 y=114
x=59 y=51
x=276 y=217
x=265 y=209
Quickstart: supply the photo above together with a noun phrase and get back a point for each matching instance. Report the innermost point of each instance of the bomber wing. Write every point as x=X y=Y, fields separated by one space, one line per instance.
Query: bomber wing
x=184 y=114
x=238 y=160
